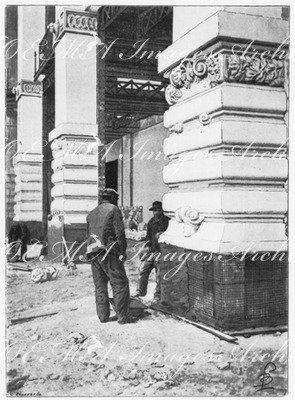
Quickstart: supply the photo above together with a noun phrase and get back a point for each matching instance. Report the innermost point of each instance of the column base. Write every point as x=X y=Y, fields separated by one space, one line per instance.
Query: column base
x=225 y=291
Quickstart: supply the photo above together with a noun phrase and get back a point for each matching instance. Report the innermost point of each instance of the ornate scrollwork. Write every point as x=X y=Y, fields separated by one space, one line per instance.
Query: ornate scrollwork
x=190 y=218
x=190 y=71
x=172 y=95
x=205 y=118
x=261 y=69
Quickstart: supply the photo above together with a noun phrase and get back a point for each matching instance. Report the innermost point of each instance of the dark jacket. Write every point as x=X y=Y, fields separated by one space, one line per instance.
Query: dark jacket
x=155 y=227
x=105 y=222
x=18 y=231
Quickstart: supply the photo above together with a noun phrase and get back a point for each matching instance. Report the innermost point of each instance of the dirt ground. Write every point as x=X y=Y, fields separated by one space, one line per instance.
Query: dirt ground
x=71 y=353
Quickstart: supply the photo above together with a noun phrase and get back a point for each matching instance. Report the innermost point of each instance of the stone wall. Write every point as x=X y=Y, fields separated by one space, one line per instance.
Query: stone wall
x=143 y=165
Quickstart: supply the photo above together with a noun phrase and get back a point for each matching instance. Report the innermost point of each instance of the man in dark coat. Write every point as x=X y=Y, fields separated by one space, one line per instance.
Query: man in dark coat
x=106 y=248
x=156 y=225
x=18 y=239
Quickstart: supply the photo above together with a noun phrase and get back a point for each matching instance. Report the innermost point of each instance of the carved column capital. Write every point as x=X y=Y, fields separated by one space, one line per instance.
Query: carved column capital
x=74 y=21
x=213 y=69
x=27 y=88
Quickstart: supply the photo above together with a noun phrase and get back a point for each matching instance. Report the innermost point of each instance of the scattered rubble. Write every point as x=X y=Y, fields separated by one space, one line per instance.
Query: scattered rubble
x=35 y=337
x=224 y=366
x=43 y=274
x=78 y=338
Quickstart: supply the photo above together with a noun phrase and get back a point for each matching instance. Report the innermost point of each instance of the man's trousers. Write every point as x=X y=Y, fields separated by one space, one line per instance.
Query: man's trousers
x=145 y=270
x=107 y=268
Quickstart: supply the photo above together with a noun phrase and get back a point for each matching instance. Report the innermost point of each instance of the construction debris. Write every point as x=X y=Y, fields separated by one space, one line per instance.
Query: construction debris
x=35 y=337
x=72 y=268
x=78 y=338
x=21 y=267
x=43 y=274
x=248 y=332
x=27 y=317
x=215 y=332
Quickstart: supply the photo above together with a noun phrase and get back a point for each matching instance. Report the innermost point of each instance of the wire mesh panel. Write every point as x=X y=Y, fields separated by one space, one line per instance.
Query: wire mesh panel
x=201 y=286
x=239 y=293
x=265 y=289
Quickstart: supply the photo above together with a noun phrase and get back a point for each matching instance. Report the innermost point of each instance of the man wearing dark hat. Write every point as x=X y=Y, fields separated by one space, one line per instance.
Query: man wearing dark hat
x=106 y=248
x=156 y=225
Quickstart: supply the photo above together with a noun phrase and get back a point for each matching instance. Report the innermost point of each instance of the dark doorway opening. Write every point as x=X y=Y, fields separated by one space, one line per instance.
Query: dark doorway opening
x=111 y=175
x=48 y=126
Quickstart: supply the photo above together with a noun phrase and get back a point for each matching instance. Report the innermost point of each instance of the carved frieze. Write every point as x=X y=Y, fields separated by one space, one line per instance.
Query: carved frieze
x=260 y=69
x=73 y=21
x=27 y=88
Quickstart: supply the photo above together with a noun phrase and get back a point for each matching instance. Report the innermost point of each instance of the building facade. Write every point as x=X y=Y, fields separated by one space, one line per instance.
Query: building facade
x=193 y=113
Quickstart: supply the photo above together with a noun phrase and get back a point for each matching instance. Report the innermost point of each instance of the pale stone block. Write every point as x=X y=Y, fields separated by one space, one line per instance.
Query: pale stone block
x=75 y=160
x=228 y=201
x=225 y=24
x=73 y=205
x=235 y=132
x=29 y=206
x=234 y=97
x=27 y=215
x=76 y=218
x=25 y=177
x=28 y=196
x=29 y=35
x=224 y=167
x=187 y=18
x=69 y=189
x=28 y=169
x=229 y=237
x=75 y=79
x=28 y=159
x=29 y=124
x=28 y=186
x=74 y=174
x=75 y=129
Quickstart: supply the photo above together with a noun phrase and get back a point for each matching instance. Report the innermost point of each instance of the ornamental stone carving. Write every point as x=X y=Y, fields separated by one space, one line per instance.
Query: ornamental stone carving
x=27 y=88
x=260 y=69
x=205 y=118
x=73 y=21
x=190 y=218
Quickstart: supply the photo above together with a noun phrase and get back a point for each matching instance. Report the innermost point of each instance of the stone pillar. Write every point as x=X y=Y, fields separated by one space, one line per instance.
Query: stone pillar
x=74 y=141
x=28 y=158
x=228 y=166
